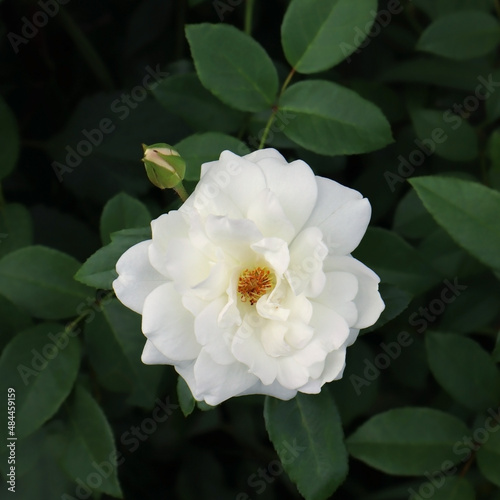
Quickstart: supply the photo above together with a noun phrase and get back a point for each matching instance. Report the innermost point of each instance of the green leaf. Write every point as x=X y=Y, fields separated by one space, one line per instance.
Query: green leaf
x=16 y=228
x=388 y=100
x=52 y=228
x=449 y=259
x=99 y=269
x=10 y=142
x=186 y=97
x=307 y=435
x=115 y=334
x=210 y=474
x=332 y=120
x=201 y=148
x=461 y=35
x=446 y=134
x=354 y=394
x=461 y=75
x=411 y=219
x=395 y=261
x=409 y=369
x=493 y=152
x=496 y=351
x=474 y=309
x=464 y=369
x=102 y=346
x=396 y=301
x=122 y=212
x=90 y=448
x=408 y=441
x=114 y=164
x=318 y=34
x=29 y=450
x=35 y=483
x=467 y=211
x=233 y=66
x=493 y=102
x=120 y=331
x=186 y=400
x=40 y=280
x=12 y=321
x=204 y=406
x=41 y=364
x=446 y=488
x=444 y=7
x=488 y=456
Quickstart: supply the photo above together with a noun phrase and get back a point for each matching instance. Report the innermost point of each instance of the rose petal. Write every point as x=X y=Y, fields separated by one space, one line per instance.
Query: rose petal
x=152 y=356
x=291 y=374
x=248 y=349
x=137 y=278
x=298 y=335
x=331 y=330
x=341 y=288
x=305 y=272
x=215 y=382
x=333 y=370
x=216 y=341
x=233 y=236
x=331 y=196
x=173 y=253
x=267 y=213
x=295 y=187
x=275 y=252
x=275 y=389
x=368 y=302
x=168 y=325
x=342 y=214
x=272 y=337
x=345 y=228
x=263 y=154
x=240 y=180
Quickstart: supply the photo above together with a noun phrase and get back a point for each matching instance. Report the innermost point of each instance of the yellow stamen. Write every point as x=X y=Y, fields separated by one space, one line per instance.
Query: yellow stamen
x=253 y=284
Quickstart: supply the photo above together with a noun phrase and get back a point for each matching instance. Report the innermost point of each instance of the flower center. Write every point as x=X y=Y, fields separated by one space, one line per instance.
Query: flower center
x=253 y=284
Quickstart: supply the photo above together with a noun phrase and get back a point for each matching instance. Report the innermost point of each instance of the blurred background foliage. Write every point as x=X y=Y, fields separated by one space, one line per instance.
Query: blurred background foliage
x=118 y=73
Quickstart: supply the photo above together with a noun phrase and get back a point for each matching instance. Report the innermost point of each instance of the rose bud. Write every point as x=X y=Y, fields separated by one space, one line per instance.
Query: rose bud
x=164 y=166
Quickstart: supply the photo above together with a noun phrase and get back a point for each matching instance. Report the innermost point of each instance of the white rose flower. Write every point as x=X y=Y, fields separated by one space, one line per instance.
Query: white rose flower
x=250 y=288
